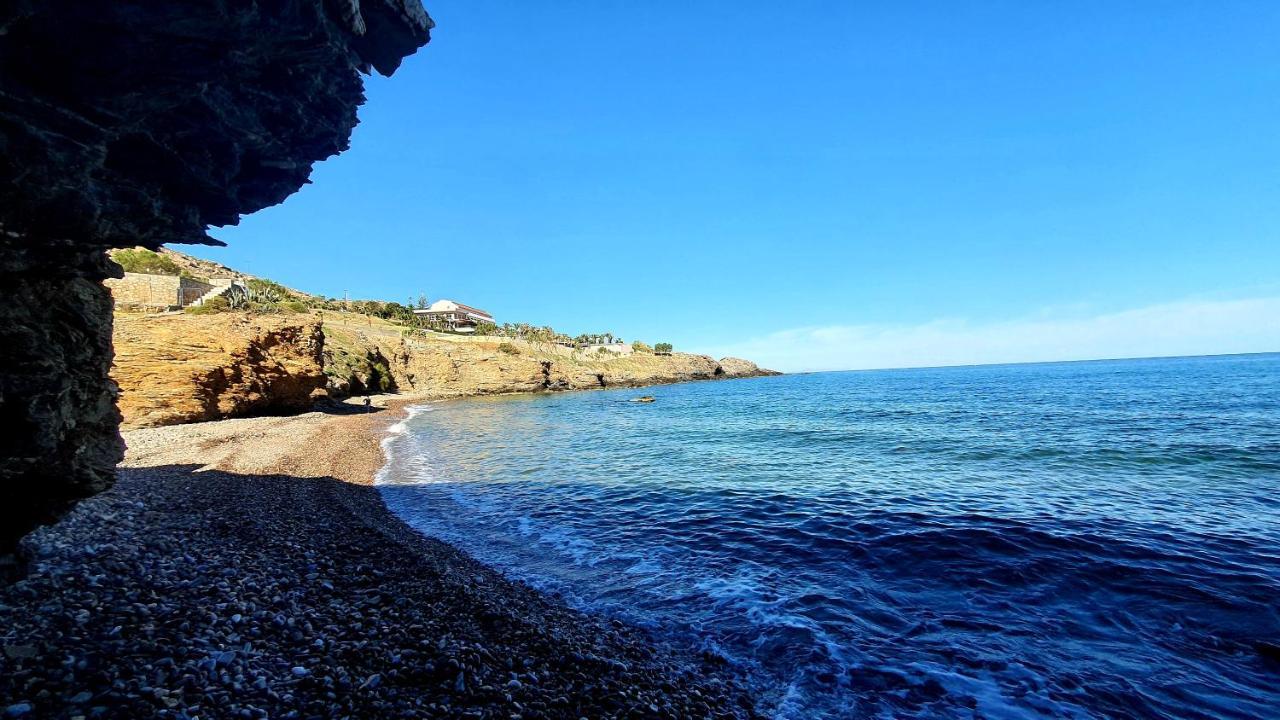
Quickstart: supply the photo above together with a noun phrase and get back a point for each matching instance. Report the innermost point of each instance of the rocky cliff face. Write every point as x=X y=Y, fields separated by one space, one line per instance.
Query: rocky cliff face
x=137 y=123
x=57 y=406
x=185 y=368
x=485 y=366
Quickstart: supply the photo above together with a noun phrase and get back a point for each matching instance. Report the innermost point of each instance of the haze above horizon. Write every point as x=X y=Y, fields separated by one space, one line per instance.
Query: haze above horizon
x=831 y=187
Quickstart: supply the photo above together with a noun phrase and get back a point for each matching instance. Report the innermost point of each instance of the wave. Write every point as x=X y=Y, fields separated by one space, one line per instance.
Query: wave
x=396 y=432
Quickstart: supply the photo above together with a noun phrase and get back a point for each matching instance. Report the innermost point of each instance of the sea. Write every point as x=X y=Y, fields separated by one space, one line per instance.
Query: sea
x=1059 y=540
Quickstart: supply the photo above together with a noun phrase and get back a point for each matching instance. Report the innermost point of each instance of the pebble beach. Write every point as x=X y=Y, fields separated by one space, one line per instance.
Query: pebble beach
x=248 y=569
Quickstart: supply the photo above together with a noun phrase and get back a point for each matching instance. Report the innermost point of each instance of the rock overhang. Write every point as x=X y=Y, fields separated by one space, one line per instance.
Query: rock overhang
x=140 y=122
x=144 y=122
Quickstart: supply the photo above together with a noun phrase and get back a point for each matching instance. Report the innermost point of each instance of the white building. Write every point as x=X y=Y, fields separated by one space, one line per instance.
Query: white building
x=454 y=315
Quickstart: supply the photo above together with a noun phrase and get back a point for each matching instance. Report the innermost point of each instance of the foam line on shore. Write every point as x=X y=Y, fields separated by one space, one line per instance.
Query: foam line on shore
x=395 y=432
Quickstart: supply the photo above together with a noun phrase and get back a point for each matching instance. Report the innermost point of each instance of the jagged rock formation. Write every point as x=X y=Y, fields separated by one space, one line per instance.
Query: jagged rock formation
x=186 y=368
x=138 y=123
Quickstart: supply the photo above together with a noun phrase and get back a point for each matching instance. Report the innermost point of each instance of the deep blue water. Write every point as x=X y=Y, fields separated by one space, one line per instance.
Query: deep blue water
x=1056 y=540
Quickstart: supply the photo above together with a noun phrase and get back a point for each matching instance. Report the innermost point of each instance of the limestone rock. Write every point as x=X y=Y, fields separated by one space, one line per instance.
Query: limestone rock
x=186 y=368
x=476 y=366
x=737 y=367
x=179 y=368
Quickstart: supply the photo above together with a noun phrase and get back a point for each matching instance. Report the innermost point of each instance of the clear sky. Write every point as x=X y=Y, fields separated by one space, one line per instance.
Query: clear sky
x=821 y=184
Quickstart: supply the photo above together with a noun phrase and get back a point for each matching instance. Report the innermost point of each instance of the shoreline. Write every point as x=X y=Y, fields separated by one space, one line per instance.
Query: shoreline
x=176 y=369
x=248 y=567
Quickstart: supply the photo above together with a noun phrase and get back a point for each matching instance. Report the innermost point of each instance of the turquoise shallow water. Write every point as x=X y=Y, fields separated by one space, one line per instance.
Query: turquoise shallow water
x=1056 y=540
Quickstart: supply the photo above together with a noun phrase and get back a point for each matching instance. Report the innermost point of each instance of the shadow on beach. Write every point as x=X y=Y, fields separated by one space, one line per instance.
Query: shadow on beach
x=335 y=407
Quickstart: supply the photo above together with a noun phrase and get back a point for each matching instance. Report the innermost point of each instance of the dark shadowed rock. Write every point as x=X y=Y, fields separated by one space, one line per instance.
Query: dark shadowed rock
x=145 y=122
x=136 y=122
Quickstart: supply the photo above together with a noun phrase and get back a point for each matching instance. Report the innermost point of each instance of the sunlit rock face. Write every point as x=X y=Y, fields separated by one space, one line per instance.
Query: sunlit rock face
x=135 y=122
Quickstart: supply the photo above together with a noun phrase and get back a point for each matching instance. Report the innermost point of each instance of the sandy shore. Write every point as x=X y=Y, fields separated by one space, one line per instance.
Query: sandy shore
x=341 y=442
x=248 y=568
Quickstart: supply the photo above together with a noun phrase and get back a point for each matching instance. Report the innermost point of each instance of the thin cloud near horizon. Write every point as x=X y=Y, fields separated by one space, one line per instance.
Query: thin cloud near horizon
x=1185 y=327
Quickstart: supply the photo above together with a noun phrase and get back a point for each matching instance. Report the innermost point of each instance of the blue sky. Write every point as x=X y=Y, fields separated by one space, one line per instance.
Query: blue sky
x=817 y=182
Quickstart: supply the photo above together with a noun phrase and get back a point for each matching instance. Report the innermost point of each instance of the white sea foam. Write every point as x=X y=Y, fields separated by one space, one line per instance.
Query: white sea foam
x=395 y=433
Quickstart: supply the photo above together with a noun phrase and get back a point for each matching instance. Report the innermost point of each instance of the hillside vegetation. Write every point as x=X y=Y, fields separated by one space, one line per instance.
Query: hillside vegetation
x=287 y=349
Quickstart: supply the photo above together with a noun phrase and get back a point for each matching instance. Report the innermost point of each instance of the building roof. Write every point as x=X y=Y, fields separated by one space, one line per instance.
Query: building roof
x=451 y=306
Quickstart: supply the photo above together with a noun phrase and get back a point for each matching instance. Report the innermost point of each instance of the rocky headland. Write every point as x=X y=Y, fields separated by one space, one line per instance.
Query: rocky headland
x=178 y=368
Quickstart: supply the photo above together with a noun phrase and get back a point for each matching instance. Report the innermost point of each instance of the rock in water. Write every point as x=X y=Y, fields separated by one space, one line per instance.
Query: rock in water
x=737 y=367
x=140 y=123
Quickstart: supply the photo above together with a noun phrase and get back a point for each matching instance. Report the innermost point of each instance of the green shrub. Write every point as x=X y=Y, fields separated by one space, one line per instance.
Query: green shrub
x=267 y=291
x=641 y=347
x=662 y=347
x=296 y=306
x=380 y=377
x=213 y=305
x=142 y=260
x=508 y=348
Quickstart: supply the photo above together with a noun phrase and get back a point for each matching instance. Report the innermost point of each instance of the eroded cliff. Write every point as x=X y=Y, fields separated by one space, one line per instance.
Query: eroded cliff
x=442 y=367
x=186 y=368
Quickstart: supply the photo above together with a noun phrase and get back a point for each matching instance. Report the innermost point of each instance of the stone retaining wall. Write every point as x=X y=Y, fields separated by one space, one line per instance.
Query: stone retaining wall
x=156 y=291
